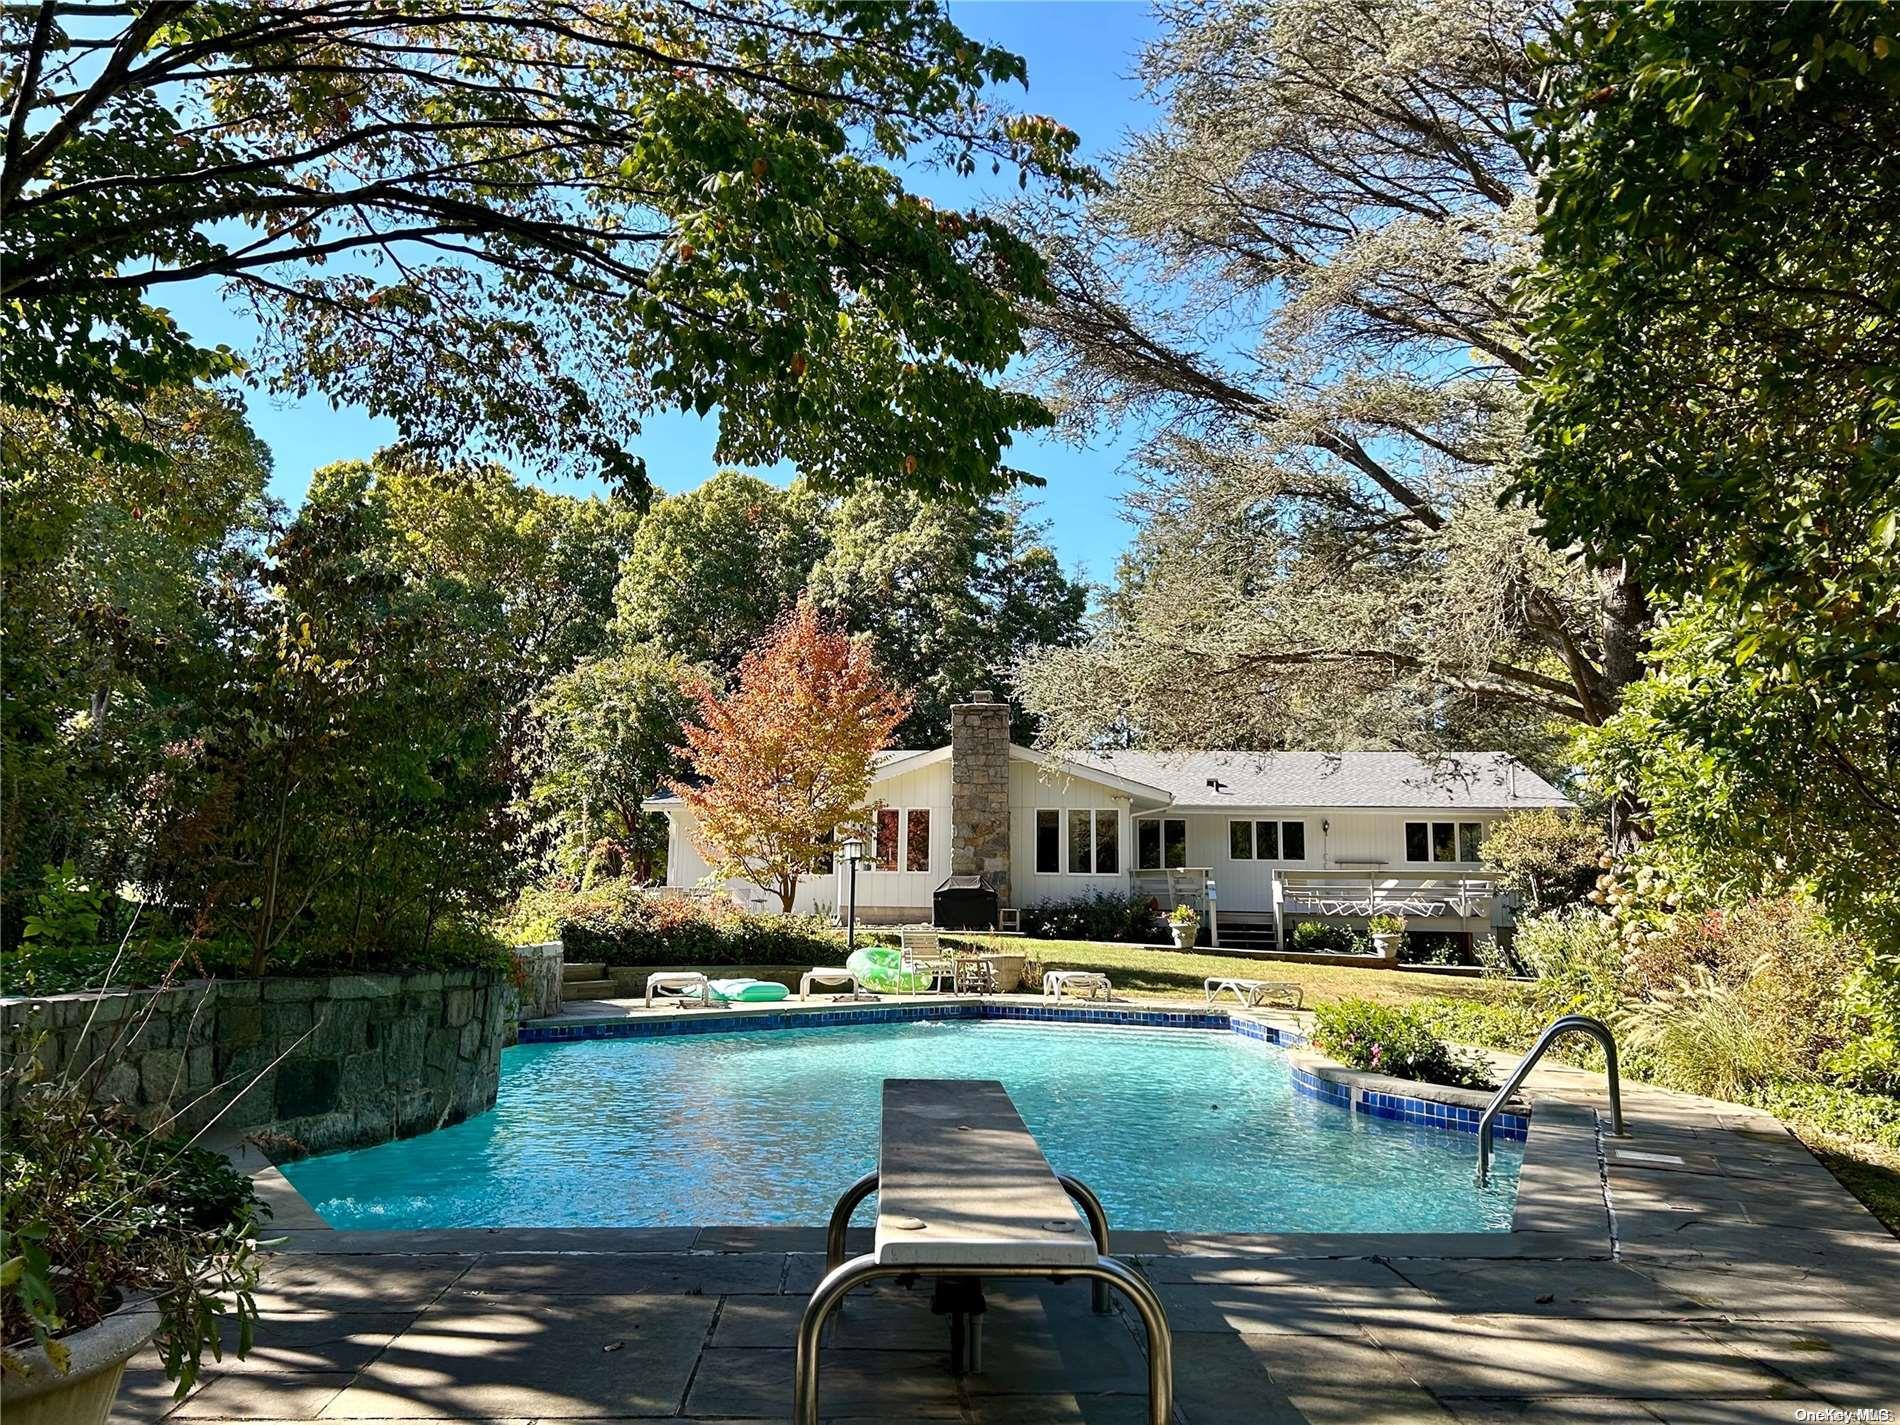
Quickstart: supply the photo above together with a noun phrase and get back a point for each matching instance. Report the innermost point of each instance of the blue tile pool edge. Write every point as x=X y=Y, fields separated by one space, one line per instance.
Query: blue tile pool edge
x=1402 y=1108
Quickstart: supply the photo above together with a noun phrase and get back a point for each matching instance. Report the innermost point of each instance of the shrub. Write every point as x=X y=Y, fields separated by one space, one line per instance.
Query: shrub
x=1577 y=958
x=1386 y=924
x=1318 y=938
x=1549 y=857
x=45 y=970
x=1435 y=947
x=96 y=1207
x=619 y=923
x=1869 y=1056
x=1706 y=1037
x=1395 y=1040
x=1101 y=915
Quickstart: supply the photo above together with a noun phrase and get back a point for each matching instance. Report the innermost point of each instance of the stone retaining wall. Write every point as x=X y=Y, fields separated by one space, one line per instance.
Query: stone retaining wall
x=335 y=1061
x=541 y=978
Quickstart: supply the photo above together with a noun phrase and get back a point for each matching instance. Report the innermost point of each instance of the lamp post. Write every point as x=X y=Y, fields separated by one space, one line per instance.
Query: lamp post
x=852 y=850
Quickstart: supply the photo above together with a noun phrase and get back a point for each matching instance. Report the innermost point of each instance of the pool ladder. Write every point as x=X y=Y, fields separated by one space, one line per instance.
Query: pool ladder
x=1569 y=1024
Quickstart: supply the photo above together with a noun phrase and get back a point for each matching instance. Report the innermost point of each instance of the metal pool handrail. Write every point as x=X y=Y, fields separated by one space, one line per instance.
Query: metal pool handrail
x=1570 y=1023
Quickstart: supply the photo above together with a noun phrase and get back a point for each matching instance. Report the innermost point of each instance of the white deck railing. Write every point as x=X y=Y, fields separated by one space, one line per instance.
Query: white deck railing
x=1382 y=892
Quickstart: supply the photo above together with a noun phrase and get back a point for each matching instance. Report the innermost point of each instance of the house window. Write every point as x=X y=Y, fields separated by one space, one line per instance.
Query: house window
x=1048 y=842
x=917 y=839
x=884 y=851
x=1094 y=843
x=1266 y=840
x=1160 y=844
x=1108 y=843
x=1449 y=841
x=1470 y=840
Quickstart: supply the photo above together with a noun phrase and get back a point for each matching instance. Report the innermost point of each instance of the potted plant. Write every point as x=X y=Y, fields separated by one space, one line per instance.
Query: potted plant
x=114 y=1237
x=1388 y=933
x=1184 y=925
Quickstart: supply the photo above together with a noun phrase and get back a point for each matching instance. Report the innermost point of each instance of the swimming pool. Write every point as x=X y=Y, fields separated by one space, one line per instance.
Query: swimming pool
x=1184 y=1129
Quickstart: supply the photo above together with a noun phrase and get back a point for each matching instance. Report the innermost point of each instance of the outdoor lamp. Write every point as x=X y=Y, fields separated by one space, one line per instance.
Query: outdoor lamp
x=852 y=850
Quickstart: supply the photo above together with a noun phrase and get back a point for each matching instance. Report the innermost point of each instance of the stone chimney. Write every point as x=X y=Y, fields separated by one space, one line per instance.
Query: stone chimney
x=979 y=788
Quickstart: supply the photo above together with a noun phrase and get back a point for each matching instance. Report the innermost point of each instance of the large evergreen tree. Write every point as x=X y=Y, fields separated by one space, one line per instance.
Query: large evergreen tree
x=1302 y=282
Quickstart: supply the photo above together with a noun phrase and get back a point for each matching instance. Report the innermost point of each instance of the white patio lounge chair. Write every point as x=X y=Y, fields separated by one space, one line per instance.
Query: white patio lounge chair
x=677 y=987
x=1077 y=984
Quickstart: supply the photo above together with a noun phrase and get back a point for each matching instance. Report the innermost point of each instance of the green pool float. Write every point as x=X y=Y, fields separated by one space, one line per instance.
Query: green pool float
x=881 y=968
x=746 y=991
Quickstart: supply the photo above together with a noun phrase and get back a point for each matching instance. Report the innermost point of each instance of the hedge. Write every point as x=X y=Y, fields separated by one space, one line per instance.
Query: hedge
x=619 y=923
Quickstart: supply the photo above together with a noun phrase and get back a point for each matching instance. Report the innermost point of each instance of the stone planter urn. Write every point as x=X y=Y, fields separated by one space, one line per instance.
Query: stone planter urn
x=1184 y=931
x=1386 y=947
x=83 y=1394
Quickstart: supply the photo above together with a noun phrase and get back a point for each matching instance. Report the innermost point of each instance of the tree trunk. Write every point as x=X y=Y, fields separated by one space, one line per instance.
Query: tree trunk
x=1624 y=609
x=267 y=911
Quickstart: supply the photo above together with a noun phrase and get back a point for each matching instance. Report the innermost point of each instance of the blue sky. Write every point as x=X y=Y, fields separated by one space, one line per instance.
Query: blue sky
x=1081 y=58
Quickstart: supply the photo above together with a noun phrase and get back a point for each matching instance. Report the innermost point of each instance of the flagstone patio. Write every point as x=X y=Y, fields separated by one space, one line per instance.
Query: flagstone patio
x=1705 y=1270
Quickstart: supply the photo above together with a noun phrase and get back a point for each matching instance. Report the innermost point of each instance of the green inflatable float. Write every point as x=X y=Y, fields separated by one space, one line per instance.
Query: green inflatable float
x=881 y=968
x=746 y=991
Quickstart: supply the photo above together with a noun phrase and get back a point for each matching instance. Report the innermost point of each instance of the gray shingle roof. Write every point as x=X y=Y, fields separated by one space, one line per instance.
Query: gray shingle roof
x=1463 y=781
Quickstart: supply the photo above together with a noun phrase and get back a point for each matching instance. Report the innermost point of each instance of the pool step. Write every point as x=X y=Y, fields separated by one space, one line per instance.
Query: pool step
x=587 y=989
x=585 y=979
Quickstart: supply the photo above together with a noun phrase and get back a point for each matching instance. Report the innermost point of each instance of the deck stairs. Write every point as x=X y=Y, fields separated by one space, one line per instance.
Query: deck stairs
x=585 y=981
x=1255 y=938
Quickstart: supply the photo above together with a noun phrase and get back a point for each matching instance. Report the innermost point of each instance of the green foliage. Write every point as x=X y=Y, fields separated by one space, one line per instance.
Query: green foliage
x=629 y=208
x=609 y=738
x=65 y=911
x=951 y=594
x=1393 y=1039
x=1098 y=915
x=1833 y=1109
x=96 y=1207
x=1868 y=1056
x=617 y=923
x=1316 y=937
x=1703 y=1035
x=155 y=960
x=1754 y=788
x=104 y=568
x=712 y=569
x=1386 y=924
x=1547 y=856
x=1719 y=412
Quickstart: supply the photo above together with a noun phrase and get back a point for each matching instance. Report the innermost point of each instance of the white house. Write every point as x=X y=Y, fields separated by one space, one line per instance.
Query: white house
x=1253 y=840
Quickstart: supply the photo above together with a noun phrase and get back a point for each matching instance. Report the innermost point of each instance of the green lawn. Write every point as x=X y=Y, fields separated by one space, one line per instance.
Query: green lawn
x=1180 y=974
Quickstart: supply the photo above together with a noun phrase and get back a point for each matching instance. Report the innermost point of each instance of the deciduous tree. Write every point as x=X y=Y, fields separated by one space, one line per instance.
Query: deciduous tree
x=610 y=732
x=1720 y=408
x=784 y=760
x=514 y=227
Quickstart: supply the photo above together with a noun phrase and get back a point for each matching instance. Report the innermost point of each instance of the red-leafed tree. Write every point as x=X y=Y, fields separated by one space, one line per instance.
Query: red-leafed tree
x=784 y=759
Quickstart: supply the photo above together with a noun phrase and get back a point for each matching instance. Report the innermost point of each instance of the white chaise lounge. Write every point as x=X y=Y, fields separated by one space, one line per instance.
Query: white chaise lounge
x=1251 y=992
x=1077 y=984
x=677 y=987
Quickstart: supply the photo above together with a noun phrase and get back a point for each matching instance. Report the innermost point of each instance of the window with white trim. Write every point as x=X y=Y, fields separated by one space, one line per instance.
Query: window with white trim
x=1094 y=843
x=1160 y=844
x=1048 y=843
x=1266 y=840
x=1454 y=842
x=917 y=839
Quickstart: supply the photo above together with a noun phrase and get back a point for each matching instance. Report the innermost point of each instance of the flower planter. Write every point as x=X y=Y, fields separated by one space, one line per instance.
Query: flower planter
x=1386 y=947
x=1184 y=932
x=84 y=1393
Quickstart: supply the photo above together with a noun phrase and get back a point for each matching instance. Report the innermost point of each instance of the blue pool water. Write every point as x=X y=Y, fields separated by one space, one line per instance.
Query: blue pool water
x=1192 y=1130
